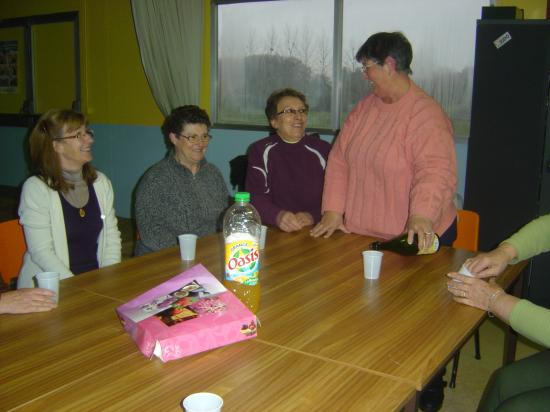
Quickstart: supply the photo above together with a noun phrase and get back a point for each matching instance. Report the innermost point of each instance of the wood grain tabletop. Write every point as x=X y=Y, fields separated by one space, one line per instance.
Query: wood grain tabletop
x=329 y=338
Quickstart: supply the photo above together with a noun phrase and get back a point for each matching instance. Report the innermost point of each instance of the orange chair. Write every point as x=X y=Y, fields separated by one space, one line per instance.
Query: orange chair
x=467 y=230
x=467 y=238
x=13 y=247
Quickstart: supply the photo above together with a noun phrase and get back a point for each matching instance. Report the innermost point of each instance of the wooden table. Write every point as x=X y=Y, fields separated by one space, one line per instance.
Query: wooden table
x=329 y=338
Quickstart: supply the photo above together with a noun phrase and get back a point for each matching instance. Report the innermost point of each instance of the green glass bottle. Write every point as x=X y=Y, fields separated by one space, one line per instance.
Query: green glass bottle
x=399 y=245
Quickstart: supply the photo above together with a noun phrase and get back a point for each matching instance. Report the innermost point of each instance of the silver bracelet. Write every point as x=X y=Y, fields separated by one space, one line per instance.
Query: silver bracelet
x=492 y=299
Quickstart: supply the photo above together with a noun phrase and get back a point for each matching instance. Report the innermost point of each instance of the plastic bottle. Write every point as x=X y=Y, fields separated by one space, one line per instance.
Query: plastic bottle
x=399 y=245
x=241 y=231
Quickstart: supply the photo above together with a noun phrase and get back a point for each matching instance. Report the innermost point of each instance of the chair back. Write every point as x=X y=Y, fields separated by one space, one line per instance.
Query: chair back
x=467 y=230
x=12 y=247
x=237 y=172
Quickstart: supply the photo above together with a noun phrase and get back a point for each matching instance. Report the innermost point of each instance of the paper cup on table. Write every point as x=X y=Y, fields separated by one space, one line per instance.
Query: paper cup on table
x=188 y=244
x=464 y=271
x=203 y=402
x=372 y=261
x=263 y=234
x=49 y=280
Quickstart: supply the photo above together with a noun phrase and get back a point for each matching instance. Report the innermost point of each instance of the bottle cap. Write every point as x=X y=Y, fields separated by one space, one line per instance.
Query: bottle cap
x=242 y=197
x=375 y=246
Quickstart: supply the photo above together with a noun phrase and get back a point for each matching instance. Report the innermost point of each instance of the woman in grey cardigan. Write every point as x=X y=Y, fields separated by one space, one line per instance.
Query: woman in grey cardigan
x=182 y=193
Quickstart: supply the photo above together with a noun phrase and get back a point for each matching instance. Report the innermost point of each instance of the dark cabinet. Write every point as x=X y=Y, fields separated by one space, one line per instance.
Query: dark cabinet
x=508 y=167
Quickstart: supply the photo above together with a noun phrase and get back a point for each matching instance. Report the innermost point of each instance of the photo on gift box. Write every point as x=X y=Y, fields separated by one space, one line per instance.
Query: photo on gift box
x=192 y=289
x=178 y=313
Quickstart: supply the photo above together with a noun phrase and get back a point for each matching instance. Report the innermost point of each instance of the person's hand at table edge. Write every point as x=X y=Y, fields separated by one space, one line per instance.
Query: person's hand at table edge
x=304 y=219
x=330 y=222
x=27 y=300
x=288 y=222
x=481 y=294
x=491 y=263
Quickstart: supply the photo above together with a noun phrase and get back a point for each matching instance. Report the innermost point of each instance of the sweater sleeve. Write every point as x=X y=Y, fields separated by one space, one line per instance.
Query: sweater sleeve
x=155 y=224
x=336 y=175
x=224 y=197
x=257 y=184
x=531 y=321
x=111 y=253
x=532 y=239
x=431 y=148
x=34 y=213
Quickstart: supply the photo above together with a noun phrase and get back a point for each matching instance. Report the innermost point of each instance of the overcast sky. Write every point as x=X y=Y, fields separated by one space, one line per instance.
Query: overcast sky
x=419 y=20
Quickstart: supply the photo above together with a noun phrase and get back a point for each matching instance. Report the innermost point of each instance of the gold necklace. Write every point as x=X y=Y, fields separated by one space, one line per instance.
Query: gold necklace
x=82 y=212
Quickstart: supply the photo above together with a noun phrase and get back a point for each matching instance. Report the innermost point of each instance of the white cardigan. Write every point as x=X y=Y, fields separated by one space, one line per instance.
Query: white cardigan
x=41 y=214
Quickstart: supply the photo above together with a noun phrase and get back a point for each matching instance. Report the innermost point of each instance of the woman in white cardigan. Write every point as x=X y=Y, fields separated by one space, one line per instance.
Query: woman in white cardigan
x=66 y=207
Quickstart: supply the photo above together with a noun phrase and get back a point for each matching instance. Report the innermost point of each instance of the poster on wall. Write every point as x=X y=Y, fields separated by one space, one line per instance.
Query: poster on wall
x=8 y=66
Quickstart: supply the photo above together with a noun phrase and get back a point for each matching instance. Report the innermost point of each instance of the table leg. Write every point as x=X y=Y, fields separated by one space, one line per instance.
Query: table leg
x=412 y=404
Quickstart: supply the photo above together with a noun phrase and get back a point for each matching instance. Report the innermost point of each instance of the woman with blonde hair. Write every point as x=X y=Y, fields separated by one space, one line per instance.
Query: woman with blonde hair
x=66 y=206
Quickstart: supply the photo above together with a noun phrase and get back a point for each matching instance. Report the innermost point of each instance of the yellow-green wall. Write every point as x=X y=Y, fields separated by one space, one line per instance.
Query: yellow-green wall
x=532 y=9
x=114 y=86
x=53 y=65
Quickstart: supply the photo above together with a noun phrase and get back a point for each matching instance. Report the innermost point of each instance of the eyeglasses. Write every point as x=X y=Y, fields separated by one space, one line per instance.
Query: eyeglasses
x=79 y=135
x=365 y=67
x=289 y=110
x=205 y=138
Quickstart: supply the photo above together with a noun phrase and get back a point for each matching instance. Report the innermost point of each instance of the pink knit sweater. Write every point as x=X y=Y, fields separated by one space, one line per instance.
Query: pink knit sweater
x=392 y=161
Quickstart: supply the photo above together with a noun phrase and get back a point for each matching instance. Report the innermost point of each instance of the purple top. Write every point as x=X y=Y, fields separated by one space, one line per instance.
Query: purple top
x=286 y=176
x=82 y=233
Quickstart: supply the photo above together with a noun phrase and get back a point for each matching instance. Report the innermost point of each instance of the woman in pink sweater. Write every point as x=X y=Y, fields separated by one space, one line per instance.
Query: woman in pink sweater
x=393 y=166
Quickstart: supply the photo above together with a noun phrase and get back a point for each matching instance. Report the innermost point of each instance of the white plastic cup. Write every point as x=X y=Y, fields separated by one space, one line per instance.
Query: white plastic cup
x=464 y=271
x=50 y=281
x=203 y=402
x=188 y=245
x=372 y=261
x=263 y=234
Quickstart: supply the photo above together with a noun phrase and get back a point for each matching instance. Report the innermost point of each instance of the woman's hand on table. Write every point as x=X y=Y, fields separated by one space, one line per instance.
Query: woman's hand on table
x=304 y=219
x=491 y=263
x=288 y=221
x=27 y=300
x=423 y=227
x=471 y=291
x=481 y=294
x=330 y=222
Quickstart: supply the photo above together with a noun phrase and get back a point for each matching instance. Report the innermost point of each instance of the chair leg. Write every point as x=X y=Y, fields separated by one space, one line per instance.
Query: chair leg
x=454 y=370
x=476 y=344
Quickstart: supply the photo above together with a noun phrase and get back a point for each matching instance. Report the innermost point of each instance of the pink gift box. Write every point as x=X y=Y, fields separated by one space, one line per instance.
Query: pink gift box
x=190 y=313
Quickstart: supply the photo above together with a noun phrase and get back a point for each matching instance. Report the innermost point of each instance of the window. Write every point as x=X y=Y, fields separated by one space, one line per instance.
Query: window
x=310 y=45
x=264 y=46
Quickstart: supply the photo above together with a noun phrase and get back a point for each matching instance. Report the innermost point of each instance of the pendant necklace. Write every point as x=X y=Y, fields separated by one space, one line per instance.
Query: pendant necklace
x=82 y=212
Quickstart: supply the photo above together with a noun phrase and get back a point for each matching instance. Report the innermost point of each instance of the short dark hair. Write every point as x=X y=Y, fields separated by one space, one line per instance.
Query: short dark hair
x=181 y=116
x=276 y=96
x=381 y=45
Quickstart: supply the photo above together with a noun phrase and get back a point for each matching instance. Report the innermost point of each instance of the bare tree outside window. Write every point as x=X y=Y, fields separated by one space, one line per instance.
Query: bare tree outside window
x=263 y=46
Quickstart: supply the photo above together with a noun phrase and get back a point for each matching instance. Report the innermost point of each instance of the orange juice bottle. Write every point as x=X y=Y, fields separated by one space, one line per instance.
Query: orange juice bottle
x=241 y=230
